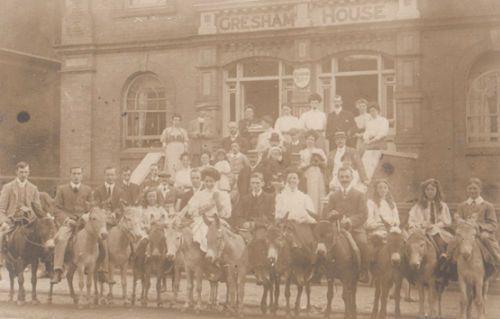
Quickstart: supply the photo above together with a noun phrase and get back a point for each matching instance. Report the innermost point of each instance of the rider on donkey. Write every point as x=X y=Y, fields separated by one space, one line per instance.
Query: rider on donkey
x=72 y=203
x=383 y=215
x=348 y=206
x=18 y=196
x=208 y=202
x=482 y=213
x=432 y=215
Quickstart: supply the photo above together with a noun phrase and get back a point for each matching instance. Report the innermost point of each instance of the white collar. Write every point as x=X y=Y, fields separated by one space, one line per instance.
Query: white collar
x=337 y=110
x=345 y=191
x=341 y=149
x=21 y=184
x=235 y=136
x=109 y=185
x=73 y=185
x=258 y=194
x=478 y=200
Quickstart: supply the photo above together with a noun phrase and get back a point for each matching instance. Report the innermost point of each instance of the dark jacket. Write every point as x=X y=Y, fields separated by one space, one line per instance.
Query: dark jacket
x=260 y=208
x=352 y=205
x=70 y=203
x=343 y=122
x=101 y=196
x=130 y=193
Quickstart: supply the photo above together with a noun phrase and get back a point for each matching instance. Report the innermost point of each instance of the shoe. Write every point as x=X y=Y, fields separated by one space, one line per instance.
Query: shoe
x=57 y=277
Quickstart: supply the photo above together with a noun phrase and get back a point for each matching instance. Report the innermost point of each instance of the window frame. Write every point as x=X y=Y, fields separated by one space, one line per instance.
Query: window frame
x=126 y=111
x=481 y=145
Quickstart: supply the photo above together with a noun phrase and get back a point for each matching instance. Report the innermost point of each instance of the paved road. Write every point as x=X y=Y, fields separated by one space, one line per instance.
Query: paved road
x=63 y=307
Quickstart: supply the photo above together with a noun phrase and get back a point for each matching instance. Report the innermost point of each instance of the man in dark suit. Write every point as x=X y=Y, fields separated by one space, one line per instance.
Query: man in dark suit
x=257 y=206
x=185 y=197
x=71 y=202
x=348 y=206
x=340 y=120
x=108 y=195
x=129 y=191
x=234 y=136
x=343 y=152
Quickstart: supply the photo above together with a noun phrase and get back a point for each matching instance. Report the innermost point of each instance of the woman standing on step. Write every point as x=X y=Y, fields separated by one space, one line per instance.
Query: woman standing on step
x=175 y=141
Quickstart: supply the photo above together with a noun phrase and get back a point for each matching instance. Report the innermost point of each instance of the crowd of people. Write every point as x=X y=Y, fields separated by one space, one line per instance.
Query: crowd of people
x=305 y=169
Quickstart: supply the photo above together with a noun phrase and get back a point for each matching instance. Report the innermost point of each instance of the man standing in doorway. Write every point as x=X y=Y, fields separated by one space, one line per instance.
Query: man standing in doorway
x=340 y=120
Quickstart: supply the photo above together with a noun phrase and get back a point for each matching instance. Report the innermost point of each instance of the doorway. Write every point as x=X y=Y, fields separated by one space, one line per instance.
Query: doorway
x=264 y=96
x=352 y=88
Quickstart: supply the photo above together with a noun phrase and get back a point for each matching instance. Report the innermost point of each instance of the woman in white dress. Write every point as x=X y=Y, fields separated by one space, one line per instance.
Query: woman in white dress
x=432 y=214
x=175 y=141
x=383 y=215
x=224 y=168
x=312 y=163
x=360 y=120
x=205 y=158
x=286 y=122
x=183 y=174
x=208 y=202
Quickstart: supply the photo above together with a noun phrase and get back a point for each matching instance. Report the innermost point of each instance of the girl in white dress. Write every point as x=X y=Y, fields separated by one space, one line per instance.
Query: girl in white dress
x=208 y=202
x=224 y=168
x=183 y=174
x=383 y=215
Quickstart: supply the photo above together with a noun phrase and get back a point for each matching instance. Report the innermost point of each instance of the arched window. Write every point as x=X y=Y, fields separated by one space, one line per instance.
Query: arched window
x=145 y=114
x=483 y=103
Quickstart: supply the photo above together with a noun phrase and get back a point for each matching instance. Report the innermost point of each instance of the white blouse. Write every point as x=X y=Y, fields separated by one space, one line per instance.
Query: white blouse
x=204 y=198
x=296 y=204
x=285 y=123
x=381 y=216
x=183 y=177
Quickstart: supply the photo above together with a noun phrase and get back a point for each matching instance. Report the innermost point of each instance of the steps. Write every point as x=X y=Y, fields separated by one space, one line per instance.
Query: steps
x=142 y=170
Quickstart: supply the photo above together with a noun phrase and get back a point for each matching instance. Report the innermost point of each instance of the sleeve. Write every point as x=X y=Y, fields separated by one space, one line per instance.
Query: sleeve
x=370 y=219
x=445 y=217
x=4 y=200
x=352 y=125
x=414 y=220
x=280 y=206
x=362 y=211
x=383 y=130
x=36 y=197
x=302 y=122
x=395 y=216
x=489 y=223
x=225 y=212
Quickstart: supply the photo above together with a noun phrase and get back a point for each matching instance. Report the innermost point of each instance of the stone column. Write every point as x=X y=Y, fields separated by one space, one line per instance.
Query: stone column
x=408 y=92
x=77 y=77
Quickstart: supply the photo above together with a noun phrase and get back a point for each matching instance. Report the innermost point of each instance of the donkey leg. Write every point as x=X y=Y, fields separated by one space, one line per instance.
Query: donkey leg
x=263 y=300
x=276 y=288
x=12 y=283
x=308 y=296
x=123 y=280
x=241 y=291
x=397 y=297
x=287 y=295
x=463 y=298
x=34 y=270
x=470 y=299
x=199 y=282
x=421 y=300
x=159 y=288
x=81 y=274
x=479 y=300
x=385 y=287
x=300 y=288
x=329 y=298
x=21 y=294
x=189 y=289
x=376 y=299
x=69 y=278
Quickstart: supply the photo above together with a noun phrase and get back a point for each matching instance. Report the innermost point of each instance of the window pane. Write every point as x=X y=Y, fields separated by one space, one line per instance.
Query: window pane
x=146 y=3
x=390 y=102
x=357 y=63
x=258 y=67
x=232 y=106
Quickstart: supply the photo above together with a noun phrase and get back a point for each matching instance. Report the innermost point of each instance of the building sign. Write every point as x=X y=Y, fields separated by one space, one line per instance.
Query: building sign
x=255 y=22
x=303 y=14
x=369 y=12
x=301 y=77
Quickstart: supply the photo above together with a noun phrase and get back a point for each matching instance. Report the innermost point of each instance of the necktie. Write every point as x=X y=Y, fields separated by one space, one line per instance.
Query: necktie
x=433 y=213
x=109 y=190
x=75 y=189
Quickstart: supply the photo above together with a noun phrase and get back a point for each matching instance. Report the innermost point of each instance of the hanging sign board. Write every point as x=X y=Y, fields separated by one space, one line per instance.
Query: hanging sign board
x=302 y=77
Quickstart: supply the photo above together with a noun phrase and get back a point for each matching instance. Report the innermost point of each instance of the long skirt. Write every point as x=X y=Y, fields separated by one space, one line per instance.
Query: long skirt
x=315 y=182
x=173 y=152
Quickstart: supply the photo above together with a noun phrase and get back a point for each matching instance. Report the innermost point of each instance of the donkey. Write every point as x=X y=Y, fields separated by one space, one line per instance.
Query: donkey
x=386 y=271
x=150 y=261
x=84 y=257
x=339 y=260
x=28 y=245
x=121 y=240
x=473 y=276
x=420 y=267
x=229 y=249
x=173 y=236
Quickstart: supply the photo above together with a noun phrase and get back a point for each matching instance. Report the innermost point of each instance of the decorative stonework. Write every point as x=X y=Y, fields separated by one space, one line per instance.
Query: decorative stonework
x=77 y=22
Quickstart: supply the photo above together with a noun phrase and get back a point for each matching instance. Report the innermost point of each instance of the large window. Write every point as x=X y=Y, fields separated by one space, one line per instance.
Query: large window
x=145 y=115
x=354 y=76
x=483 y=109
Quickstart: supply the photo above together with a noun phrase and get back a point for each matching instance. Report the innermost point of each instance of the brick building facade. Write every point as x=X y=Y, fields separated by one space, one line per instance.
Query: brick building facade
x=434 y=67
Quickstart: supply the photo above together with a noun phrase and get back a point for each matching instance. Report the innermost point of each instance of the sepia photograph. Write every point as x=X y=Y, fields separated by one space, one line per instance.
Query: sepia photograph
x=249 y=158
